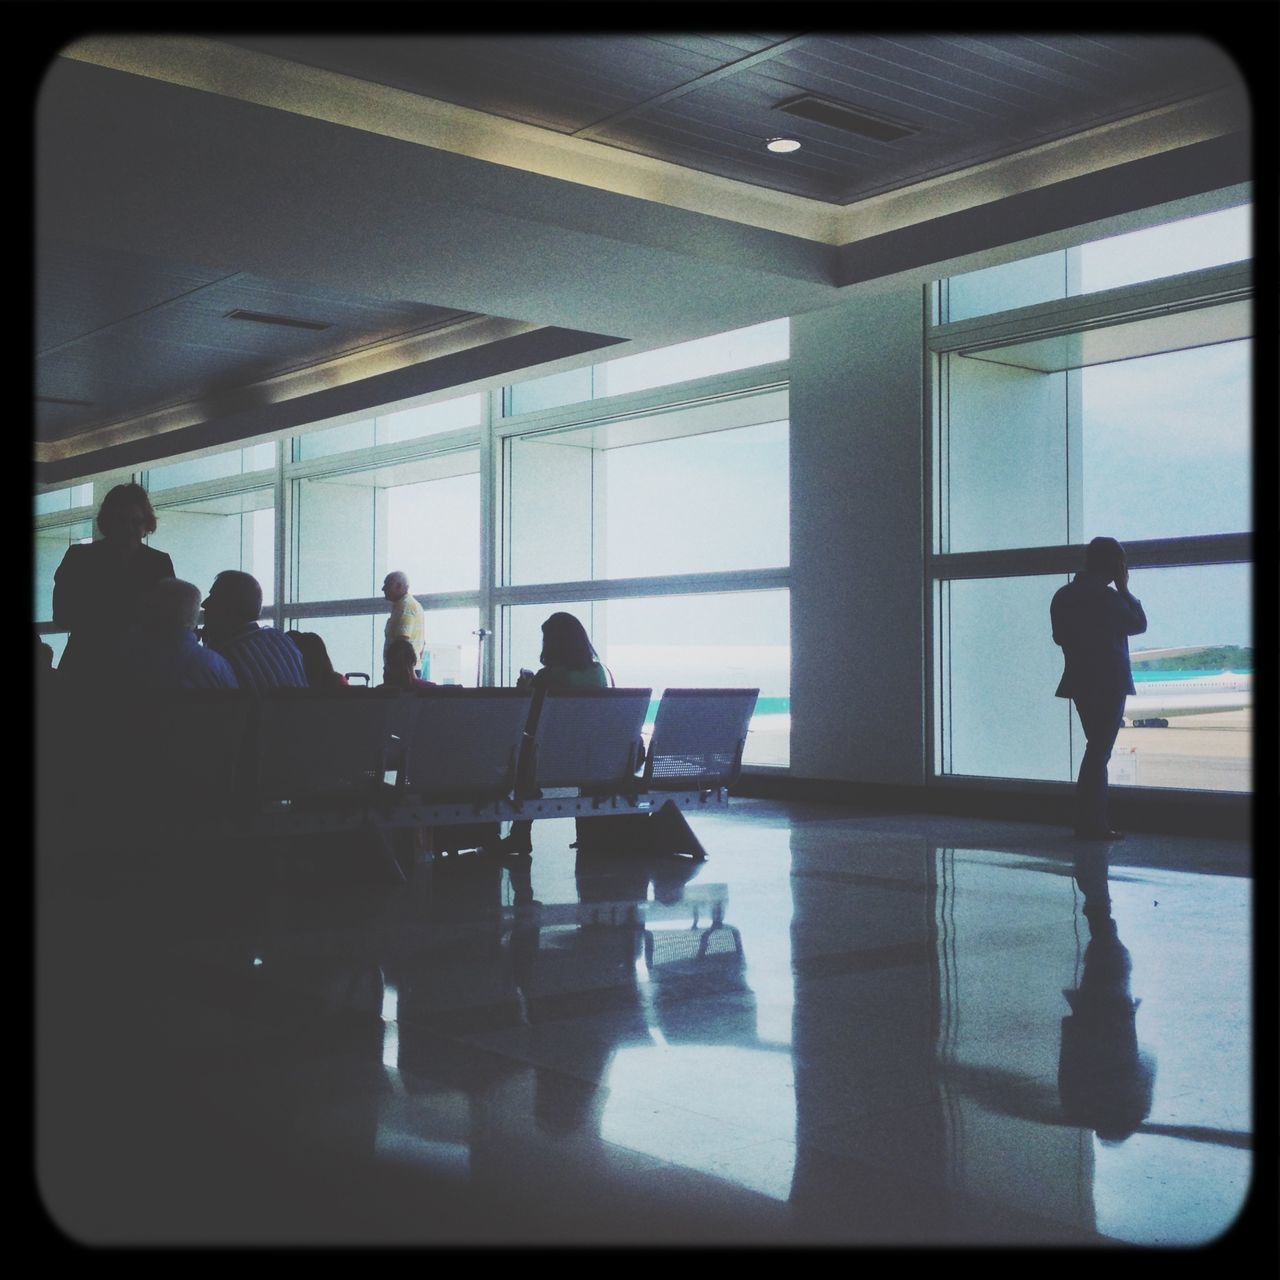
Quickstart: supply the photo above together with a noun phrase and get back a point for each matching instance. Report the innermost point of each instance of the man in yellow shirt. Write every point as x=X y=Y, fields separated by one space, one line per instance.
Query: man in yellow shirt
x=407 y=619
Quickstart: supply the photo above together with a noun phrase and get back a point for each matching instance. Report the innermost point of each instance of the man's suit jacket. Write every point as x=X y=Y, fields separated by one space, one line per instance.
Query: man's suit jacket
x=1093 y=622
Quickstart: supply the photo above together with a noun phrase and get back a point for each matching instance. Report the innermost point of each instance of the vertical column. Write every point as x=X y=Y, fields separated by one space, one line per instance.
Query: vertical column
x=857 y=541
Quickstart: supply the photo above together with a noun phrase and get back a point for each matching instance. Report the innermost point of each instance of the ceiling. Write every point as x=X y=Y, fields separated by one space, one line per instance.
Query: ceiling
x=247 y=234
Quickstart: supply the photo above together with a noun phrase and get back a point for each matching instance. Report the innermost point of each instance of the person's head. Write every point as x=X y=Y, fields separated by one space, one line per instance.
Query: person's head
x=126 y=514
x=315 y=659
x=565 y=643
x=1105 y=557
x=395 y=586
x=400 y=663
x=234 y=599
x=172 y=605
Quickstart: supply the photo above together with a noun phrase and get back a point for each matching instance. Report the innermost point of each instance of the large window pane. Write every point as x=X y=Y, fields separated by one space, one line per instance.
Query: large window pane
x=51 y=546
x=421 y=517
x=234 y=531
x=700 y=358
x=698 y=504
x=1004 y=459
x=1166 y=444
x=355 y=644
x=1153 y=447
x=727 y=639
x=1190 y=244
x=234 y=462
x=392 y=427
x=1203 y=689
x=638 y=498
x=720 y=353
x=996 y=712
x=79 y=495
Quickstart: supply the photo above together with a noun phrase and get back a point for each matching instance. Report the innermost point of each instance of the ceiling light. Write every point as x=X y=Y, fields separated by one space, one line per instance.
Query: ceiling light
x=782 y=144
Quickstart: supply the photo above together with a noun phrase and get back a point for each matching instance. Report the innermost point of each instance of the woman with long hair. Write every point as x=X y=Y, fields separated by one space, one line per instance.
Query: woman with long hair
x=99 y=587
x=316 y=661
x=568 y=659
x=568 y=662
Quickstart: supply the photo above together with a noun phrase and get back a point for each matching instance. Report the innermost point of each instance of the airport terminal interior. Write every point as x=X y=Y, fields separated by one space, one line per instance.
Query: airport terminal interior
x=803 y=363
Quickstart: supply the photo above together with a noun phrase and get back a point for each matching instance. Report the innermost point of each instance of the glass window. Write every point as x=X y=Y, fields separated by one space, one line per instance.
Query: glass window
x=1166 y=444
x=1004 y=458
x=355 y=644
x=611 y=502
x=1154 y=447
x=231 y=531
x=1135 y=257
x=721 y=353
x=997 y=713
x=699 y=358
x=1193 y=676
x=421 y=517
x=391 y=427
x=234 y=462
x=344 y=439
x=80 y=495
x=698 y=504
x=1191 y=244
x=51 y=546
x=550 y=392
x=350 y=643
x=738 y=639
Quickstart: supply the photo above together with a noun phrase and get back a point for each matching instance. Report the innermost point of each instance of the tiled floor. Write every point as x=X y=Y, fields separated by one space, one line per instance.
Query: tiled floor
x=840 y=1029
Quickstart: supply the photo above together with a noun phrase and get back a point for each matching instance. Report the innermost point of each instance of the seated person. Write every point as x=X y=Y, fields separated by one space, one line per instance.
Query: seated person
x=163 y=652
x=569 y=661
x=261 y=657
x=315 y=658
x=400 y=667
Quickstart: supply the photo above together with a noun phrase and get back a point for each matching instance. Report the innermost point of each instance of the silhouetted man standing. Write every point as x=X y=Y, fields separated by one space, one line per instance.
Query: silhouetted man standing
x=1093 y=622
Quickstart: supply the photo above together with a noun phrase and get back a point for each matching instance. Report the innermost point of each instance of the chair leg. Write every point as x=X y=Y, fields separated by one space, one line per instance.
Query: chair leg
x=673 y=834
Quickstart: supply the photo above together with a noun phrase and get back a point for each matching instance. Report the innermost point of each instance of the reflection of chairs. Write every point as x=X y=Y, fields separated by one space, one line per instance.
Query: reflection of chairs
x=694 y=944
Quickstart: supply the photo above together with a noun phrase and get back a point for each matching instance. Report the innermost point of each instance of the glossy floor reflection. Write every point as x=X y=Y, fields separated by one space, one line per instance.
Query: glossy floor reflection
x=841 y=1029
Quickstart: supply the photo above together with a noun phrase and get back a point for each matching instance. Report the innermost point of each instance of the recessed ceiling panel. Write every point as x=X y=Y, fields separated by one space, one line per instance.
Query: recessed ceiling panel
x=710 y=102
x=167 y=335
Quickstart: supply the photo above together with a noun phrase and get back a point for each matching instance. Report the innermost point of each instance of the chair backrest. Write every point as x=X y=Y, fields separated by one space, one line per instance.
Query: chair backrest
x=465 y=743
x=152 y=756
x=320 y=745
x=590 y=738
x=698 y=737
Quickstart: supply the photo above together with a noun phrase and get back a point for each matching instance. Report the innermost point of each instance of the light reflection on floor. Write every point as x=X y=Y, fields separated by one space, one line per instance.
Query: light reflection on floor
x=842 y=1028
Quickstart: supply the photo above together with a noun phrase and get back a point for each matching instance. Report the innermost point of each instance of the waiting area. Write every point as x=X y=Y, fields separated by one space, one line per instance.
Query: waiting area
x=845 y=1027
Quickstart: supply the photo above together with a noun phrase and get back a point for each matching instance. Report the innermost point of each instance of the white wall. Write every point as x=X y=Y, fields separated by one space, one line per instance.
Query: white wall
x=857 y=543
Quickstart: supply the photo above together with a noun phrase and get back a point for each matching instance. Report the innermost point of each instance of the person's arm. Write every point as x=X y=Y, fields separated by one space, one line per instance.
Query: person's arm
x=1135 y=619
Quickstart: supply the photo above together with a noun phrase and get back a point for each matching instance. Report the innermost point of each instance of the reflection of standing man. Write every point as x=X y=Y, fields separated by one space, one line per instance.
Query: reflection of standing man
x=1093 y=624
x=407 y=620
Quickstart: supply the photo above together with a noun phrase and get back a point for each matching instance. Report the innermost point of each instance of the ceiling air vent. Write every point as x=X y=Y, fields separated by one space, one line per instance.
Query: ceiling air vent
x=840 y=115
x=289 y=322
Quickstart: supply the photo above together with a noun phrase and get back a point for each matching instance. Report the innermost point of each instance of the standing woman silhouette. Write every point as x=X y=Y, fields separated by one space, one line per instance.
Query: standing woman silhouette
x=99 y=586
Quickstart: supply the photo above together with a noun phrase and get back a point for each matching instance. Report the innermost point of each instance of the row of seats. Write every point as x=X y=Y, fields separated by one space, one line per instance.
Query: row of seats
x=293 y=759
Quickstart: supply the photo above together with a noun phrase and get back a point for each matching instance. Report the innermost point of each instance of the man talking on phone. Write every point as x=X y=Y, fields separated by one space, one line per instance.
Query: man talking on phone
x=1092 y=622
